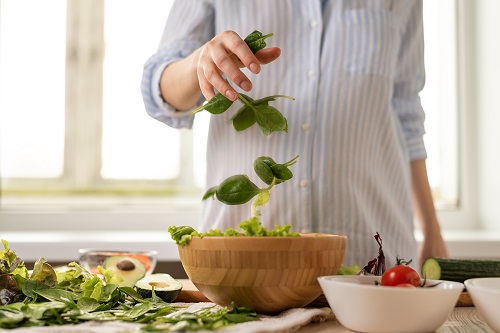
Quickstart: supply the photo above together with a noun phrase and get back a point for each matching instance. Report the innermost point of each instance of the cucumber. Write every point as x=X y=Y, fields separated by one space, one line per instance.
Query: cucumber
x=165 y=287
x=459 y=270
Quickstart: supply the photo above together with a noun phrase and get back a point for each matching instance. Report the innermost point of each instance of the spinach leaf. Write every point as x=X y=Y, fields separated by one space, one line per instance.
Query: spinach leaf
x=270 y=119
x=244 y=118
x=236 y=190
x=253 y=111
x=256 y=41
x=216 y=105
x=263 y=170
x=239 y=189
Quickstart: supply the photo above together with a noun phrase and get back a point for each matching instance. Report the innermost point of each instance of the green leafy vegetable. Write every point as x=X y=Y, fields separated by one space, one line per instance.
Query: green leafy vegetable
x=75 y=295
x=182 y=235
x=250 y=227
x=217 y=105
x=253 y=111
x=239 y=189
x=13 y=273
x=256 y=41
x=236 y=190
x=348 y=270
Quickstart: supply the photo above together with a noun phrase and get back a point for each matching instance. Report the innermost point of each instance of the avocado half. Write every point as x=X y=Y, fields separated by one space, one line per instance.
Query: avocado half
x=129 y=269
x=165 y=287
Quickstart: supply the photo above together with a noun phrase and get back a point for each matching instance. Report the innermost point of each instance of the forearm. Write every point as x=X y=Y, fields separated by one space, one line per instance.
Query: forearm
x=423 y=201
x=433 y=243
x=179 y=83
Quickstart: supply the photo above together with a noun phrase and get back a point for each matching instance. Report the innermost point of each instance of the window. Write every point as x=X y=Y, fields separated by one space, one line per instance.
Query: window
x=79 y=126
x=439 y=100
x=73 y=130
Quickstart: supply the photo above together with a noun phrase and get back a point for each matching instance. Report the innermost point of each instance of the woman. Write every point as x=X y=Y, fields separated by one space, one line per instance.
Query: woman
x=355 y=69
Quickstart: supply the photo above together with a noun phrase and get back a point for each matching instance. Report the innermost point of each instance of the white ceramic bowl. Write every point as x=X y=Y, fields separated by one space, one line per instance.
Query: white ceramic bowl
x=362 y=306
x=485 y=294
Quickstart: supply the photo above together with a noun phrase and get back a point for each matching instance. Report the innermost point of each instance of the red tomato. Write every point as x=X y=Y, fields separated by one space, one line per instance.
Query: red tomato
x=400 y=274
x=406 y=285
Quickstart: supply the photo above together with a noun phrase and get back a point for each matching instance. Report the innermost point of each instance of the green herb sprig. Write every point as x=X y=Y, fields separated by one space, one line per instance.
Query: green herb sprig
x=252 y=111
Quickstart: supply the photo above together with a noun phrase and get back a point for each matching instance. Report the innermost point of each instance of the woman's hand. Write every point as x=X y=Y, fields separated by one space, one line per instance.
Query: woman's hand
x=225 y=54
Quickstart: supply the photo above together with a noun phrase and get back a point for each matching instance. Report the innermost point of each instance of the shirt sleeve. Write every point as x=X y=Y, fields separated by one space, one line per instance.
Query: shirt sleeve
x=409 y=81
x=180 y=38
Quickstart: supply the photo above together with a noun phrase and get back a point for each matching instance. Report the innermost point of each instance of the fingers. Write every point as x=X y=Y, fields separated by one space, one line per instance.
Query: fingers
x=224 y=54
x=265 y=56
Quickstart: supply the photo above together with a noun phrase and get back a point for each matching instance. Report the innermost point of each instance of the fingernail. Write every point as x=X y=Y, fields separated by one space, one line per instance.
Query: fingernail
x=254 y=67
x=245 y=85
x=231 y=94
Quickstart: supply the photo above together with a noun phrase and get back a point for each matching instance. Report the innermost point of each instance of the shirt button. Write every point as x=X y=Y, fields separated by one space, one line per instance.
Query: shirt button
x=305 y=126
x=303 y=183
x=314 y=24
x=311 y=73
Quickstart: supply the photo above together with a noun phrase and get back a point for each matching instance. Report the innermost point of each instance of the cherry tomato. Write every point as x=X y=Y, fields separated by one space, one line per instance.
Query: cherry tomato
x=406 y=285
x=400 y=274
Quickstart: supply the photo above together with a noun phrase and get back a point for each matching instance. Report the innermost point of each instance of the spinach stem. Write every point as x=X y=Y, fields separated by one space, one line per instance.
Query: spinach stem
x=292 y=161
x=247 y=102
x=267 y=36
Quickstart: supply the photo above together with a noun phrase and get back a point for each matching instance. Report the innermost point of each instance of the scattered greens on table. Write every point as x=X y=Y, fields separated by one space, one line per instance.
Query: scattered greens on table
x=252 y=111
x=48 y=297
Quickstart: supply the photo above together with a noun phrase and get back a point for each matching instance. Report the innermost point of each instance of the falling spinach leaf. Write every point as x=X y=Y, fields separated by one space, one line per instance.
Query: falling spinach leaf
x=263 y=170
x=281 y=172
x=239 y=189
x=210 y=192
x=236 y=190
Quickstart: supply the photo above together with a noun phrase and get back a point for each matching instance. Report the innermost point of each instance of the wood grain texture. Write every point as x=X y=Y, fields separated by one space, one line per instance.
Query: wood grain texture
x=189 y=293
x=268 y=274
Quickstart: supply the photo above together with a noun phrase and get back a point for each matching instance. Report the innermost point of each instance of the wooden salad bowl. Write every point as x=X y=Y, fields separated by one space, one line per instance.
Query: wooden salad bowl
x=267 y=274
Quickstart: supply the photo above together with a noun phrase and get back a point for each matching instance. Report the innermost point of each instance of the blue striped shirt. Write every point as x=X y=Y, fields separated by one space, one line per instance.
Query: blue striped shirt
x=355 y=69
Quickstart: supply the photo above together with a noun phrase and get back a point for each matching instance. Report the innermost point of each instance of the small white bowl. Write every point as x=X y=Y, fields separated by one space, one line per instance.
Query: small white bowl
x=361 y=305
x=485 y=294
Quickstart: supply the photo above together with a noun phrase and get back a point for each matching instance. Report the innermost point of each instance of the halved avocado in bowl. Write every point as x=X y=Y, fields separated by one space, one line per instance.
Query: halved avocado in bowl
x=165 y=287
x=129 y=269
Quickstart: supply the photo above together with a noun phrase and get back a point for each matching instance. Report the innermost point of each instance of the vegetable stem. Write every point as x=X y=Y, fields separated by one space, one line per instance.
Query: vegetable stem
x=247 y=102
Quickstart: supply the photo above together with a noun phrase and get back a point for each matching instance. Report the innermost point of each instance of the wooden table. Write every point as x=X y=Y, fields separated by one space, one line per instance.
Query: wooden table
x=462 y=320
